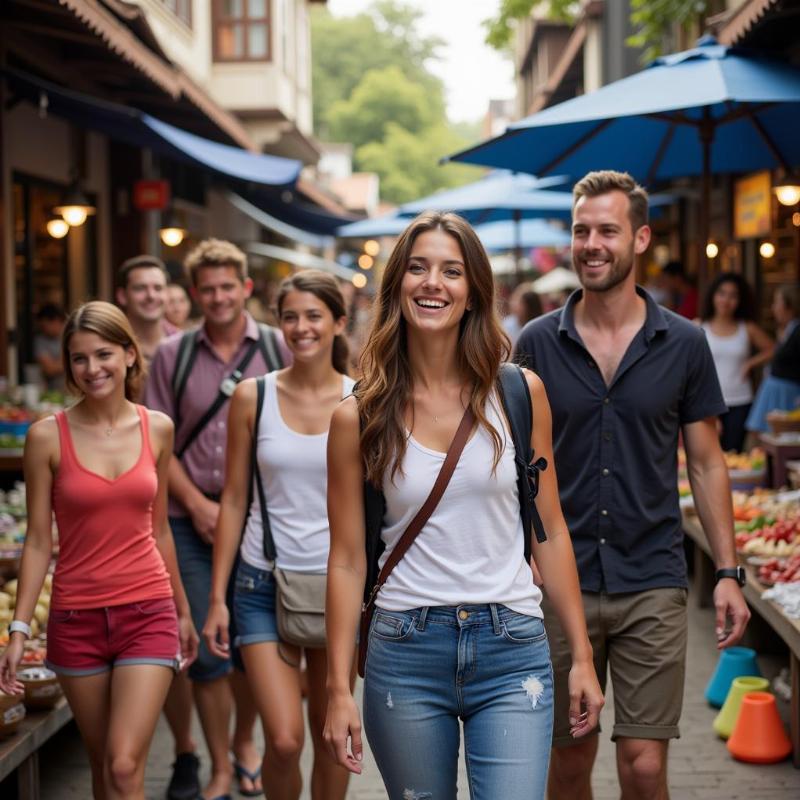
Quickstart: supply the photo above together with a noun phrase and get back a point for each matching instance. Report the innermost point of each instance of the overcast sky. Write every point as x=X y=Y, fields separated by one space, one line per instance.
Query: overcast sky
x=472 y=71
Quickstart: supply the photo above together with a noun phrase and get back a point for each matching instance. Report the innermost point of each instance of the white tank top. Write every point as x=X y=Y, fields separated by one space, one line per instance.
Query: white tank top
x=729 y=354
x=294 y=475
x=471 y=549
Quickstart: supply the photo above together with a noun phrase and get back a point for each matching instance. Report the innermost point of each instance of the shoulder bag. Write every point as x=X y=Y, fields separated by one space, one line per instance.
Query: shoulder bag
x=413 y=529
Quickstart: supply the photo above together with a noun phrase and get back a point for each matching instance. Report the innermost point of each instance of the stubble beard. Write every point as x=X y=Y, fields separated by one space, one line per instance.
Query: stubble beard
x=617 y=274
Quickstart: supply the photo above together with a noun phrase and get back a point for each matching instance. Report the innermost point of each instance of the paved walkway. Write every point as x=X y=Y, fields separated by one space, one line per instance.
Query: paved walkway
x=700 y=767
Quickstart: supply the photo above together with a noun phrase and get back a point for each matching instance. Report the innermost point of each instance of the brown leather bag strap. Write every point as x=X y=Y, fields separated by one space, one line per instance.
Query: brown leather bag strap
x=422 y=516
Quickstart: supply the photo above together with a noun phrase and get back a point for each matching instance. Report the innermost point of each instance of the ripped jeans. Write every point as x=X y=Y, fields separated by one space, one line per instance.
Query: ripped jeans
x=486 y=665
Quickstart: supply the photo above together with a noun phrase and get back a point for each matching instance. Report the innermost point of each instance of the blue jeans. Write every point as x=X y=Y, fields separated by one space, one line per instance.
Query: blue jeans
x=254 y=606
x=194 y=563
x=486 y=665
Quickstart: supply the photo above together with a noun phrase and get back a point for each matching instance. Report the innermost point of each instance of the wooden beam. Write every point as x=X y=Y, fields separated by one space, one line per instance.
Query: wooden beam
x=83 y=39
x=50 y=65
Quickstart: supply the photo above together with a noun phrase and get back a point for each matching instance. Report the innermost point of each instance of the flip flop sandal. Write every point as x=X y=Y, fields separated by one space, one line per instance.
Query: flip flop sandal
x=241 y=771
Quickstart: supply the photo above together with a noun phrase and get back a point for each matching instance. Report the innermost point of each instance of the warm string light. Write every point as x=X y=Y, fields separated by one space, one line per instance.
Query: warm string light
x=57 y=227
x=365 y=261
x=767 y=250
x=172 y=237
x=371 y=247
x=359 y=280
x=712 y=250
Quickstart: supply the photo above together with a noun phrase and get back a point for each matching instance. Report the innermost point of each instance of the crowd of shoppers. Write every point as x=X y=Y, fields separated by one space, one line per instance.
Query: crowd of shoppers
x=437 y=510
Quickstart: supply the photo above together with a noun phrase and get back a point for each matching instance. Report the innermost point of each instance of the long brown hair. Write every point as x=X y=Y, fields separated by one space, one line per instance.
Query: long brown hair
x=109 y=323
x=324 y=287
x=386 y=386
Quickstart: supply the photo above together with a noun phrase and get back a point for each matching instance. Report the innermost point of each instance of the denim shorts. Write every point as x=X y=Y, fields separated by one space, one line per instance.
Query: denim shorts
x=194 y=562
x=95 y=640
x=254 y=606
x=484 y=665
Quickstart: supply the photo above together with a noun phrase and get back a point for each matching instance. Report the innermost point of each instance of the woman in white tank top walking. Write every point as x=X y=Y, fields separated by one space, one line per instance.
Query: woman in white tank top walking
x=291 y=439
x=737 y=346
x=457 y=632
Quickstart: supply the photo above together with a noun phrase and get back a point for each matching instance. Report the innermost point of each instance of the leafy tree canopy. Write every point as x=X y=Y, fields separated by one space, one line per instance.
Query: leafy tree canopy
x=652 y=19
x=383 y=96
x=407 y=162
x=344 y=49
x=372 y=87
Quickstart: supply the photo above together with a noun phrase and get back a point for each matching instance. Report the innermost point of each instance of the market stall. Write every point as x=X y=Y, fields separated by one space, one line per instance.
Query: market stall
x=767 y=523
x=26 y=722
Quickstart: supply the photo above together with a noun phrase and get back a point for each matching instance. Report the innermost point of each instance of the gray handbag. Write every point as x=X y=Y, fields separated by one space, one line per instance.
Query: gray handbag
x=300 y=607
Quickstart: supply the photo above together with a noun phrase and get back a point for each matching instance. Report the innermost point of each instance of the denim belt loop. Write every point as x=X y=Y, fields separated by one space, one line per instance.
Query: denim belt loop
x=422 y=617
x=495 y=618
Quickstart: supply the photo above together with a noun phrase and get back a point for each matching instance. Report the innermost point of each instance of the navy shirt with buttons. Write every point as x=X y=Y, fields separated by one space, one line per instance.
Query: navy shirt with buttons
x=616 y=446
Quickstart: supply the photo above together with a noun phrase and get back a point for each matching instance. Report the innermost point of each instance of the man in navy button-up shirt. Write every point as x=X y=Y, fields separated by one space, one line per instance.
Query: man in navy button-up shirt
x=624 y=377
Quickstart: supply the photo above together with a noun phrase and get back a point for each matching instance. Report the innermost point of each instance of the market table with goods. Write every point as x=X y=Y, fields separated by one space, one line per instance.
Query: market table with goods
x=767 y=534
x=29 y=721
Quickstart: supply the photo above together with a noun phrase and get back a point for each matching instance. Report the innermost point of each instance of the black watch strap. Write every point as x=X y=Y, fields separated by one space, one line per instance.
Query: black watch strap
x=737 y=573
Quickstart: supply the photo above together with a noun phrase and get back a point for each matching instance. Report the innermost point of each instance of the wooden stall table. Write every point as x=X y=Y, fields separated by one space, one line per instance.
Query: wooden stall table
x=780 y=448
x=771 y=613
x=20 y=751
x=10 y=460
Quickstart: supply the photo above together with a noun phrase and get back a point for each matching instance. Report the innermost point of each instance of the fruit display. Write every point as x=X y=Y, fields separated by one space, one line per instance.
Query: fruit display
x=14 y=424
x=780 y=539
x=754 y=461
x=8 y=600
x=780 y=571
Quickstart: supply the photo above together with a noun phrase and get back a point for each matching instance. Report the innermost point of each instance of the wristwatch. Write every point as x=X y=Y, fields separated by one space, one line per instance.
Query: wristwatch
x=737 y=573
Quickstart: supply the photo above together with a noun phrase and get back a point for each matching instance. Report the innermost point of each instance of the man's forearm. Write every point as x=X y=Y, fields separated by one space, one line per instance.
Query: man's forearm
x=712 y=499
x=181 y=486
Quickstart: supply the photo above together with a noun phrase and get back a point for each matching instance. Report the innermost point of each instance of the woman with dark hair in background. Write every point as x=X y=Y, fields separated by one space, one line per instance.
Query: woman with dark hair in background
x=780 y=390
x=737 y=346
x=113 y=637
x=457 y=631
x=291 y=437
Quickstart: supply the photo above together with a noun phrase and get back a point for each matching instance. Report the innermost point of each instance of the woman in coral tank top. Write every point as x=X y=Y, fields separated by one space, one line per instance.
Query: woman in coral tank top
x=119 y=622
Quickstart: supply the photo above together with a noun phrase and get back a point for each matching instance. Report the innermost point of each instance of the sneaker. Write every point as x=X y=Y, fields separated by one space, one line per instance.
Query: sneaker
x=185 y=782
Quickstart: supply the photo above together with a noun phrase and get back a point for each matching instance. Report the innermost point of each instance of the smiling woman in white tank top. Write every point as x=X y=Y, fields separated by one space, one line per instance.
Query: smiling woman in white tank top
x=457 y=632
x=737 y=346
x=291 y=436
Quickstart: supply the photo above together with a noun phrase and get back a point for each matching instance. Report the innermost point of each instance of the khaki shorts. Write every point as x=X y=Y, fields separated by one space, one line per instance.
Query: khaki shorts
x=642 y=637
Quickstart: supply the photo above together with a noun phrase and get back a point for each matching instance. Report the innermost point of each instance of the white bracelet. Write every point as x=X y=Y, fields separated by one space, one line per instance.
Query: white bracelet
x=18 y=626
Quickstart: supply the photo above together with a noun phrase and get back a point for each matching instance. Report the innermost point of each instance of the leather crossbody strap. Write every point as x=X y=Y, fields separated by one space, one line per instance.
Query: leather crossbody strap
x=422 y=516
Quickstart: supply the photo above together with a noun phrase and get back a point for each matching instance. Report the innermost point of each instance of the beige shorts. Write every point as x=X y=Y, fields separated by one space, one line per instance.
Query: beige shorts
x=642 y=638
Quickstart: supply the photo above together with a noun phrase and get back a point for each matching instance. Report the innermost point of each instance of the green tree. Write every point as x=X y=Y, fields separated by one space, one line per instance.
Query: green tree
x=344 y=49
x=407 y=162
x=382 y=97
x=651 y=19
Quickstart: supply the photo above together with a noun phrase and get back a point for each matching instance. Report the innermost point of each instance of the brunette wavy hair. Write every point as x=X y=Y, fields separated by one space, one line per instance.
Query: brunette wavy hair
x=385 y=388
x=325 y=288
x=111 y=324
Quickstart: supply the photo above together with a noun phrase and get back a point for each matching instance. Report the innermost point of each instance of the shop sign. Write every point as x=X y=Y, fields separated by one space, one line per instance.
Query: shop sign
x=151 y=195
x=752 y=205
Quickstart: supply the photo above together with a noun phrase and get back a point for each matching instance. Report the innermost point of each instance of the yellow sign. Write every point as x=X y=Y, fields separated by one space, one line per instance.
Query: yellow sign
x=752 y=205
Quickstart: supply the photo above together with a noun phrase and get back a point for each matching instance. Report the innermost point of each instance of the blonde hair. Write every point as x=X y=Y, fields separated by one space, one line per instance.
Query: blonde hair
x=215 y=253
x=111 y=324
x=604 y=181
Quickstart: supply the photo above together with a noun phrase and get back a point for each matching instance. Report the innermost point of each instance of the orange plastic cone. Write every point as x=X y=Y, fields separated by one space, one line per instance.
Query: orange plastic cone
x=758 y=736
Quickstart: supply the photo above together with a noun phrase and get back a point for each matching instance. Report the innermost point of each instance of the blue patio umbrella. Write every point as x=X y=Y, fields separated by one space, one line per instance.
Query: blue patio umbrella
x=711 y=109
x=503 y=235
x=497 y=196
x=386 y=225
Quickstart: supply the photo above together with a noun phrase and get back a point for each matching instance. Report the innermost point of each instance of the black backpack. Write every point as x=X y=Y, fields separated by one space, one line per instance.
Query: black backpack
x=518 y=407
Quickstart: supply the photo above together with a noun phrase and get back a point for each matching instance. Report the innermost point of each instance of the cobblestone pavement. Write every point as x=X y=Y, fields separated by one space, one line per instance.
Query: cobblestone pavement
x=700 y=767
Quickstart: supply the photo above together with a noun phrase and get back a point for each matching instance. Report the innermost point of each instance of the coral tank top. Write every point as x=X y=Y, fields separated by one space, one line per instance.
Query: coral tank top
x=107 y=552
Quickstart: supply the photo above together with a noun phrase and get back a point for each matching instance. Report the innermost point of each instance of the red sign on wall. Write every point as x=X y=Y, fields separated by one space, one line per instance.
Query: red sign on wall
x=151 y=195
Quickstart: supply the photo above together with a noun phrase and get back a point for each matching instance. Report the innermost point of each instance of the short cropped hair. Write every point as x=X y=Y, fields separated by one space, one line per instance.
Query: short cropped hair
x=604 y=181
x=139 y=262
x=215 y=253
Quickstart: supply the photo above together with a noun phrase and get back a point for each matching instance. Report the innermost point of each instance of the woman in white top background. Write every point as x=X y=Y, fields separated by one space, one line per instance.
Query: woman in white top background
x=457 y=631
x=291 y=436
x=737 y=345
